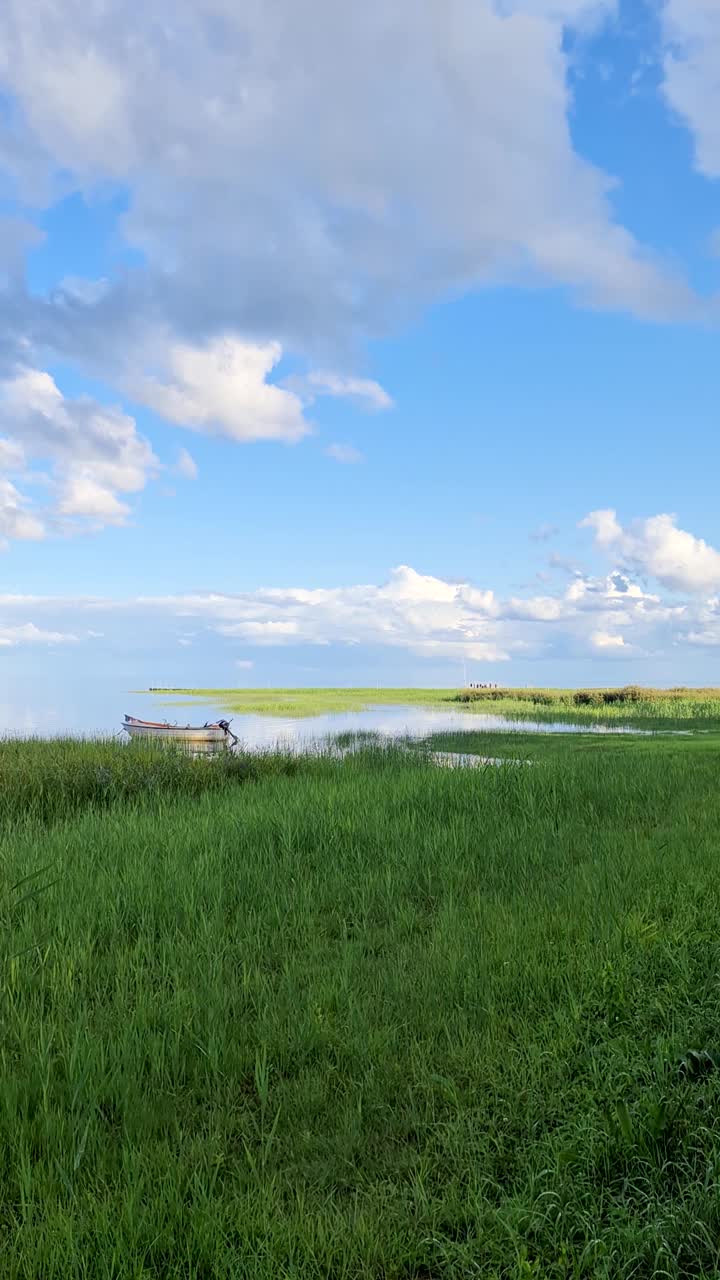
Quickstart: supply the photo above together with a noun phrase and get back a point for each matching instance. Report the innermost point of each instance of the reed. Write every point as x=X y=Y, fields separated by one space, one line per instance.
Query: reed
x=46 y=780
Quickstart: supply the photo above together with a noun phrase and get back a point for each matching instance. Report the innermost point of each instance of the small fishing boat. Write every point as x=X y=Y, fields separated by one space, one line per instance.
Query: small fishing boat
x=162 y=731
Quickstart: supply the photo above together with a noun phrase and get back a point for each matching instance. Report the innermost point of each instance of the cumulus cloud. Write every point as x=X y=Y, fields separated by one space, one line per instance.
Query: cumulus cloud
x=704 y=631
x=28 y=633
x=345 y=453
x=616 y=615
x=12 y=457
x=539 y=609
x=274 y=632
x=221 y=387
x=656 y=547
x=691 y=29
x=94 y=453
x=605 y=526
x=412 y=612
x=606 y=640
x=15 y=520
x=302 y=175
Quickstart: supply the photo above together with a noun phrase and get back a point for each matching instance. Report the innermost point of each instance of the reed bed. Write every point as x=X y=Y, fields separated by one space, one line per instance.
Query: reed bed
x=682 y=706
x=47 y=780
x=361 y=1019
x=629 y=704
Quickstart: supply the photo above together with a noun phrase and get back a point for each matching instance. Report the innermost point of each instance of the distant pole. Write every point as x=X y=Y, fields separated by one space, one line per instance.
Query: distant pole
x=464 y=674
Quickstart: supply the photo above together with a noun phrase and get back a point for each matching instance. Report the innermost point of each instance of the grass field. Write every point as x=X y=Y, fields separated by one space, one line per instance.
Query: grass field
x=281 y=1018
x=661 y=707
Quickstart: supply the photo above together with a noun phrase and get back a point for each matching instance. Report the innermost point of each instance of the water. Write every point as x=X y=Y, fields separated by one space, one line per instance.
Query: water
x=387 y=722
x=91 y=708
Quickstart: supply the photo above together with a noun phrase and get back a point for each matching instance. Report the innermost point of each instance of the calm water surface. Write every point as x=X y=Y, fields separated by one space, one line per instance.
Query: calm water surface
x=99 y=709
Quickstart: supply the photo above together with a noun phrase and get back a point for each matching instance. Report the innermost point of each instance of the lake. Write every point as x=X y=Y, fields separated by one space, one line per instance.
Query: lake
x=50 y=708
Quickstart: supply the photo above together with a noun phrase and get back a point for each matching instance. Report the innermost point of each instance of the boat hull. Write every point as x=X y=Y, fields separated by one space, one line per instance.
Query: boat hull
x=171 y=734
x=194 y=735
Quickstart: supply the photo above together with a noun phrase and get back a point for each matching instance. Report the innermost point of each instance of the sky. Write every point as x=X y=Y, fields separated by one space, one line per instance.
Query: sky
x=354 y=344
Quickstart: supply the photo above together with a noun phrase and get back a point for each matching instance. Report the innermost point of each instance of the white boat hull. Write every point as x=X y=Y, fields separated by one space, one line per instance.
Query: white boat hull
x=216 y=735
x=173 y=733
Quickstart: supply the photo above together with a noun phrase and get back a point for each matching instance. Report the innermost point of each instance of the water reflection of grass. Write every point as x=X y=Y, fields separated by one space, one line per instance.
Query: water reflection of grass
x=360 y=1018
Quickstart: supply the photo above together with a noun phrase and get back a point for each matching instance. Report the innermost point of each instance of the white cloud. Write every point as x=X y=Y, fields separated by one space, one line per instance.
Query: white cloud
x=539 y=609
x=15 y=520
x=657 y=548
x=345 y=453
x=708 y=638
x=367 y=392
x=11 y=455
x=274 y=631
x=705 y=629
x=604 y=525
x=244 y=664
x=222 y=388
x=295 y=185
x=81 y=495
x=94 y=453
x=28 y=633
x=605 y=617
x=186 y=466
x=79 y=102
x=691 y=30
x=605 y=640
x=418 y=588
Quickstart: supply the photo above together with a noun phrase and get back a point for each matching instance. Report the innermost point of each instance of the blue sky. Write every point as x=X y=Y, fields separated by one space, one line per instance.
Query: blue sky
x=359 y=346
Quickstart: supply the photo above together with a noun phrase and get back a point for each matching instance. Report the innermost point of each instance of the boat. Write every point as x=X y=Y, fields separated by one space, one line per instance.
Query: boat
x=161 y=731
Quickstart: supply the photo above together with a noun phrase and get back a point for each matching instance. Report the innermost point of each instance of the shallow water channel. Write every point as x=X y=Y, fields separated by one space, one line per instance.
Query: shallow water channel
x=256 y=732
x=99 y=711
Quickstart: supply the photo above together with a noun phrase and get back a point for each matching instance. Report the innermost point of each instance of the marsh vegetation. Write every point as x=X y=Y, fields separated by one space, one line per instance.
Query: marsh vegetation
x=628 y=705
x=307 y=1017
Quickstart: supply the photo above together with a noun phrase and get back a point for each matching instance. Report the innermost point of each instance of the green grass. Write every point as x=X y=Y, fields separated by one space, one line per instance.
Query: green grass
x=308 y=702
x=660 y=708
x=367 y=1019
x=45 y=780
x=630 y=705
x=561 y=747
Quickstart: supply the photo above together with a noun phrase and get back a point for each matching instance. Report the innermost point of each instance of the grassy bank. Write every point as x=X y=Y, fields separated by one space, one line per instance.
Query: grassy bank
x=685 y=745
x=307 y=702
x=661 y=707
x=629 y=705
x=367 y=1019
